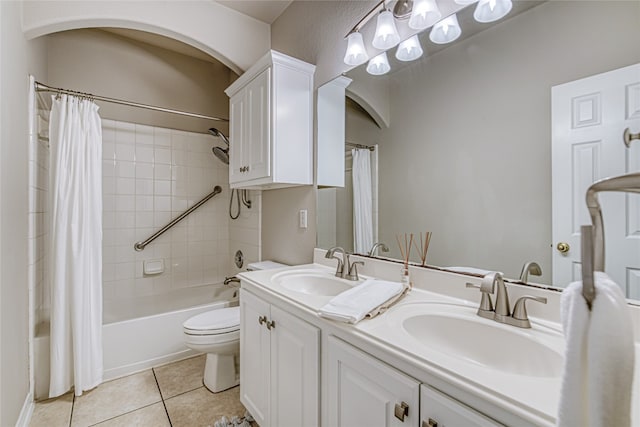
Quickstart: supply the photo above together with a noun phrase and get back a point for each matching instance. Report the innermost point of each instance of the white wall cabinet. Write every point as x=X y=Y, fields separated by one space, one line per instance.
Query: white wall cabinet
x=279 y=360
x=271 y=124
x=364 y=392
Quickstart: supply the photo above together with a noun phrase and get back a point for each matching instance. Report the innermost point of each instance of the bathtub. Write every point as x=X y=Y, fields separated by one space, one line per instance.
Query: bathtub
x=142 y=332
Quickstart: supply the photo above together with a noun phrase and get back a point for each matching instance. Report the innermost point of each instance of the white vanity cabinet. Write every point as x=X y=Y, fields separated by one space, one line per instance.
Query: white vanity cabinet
x=439 y=410
x=279 y=359
x=364 y=392
x=271 y=124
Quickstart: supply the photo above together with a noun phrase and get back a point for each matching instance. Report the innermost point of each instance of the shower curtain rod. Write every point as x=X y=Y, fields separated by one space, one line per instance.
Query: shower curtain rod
x=41 y=87
x=366 y=147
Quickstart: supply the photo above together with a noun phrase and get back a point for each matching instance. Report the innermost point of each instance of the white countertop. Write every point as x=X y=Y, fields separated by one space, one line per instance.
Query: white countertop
x=534 y=398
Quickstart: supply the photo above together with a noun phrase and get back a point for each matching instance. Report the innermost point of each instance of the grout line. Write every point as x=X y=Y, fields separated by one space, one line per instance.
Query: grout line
x=120 y=415
x=166 y=411
x=73 y=404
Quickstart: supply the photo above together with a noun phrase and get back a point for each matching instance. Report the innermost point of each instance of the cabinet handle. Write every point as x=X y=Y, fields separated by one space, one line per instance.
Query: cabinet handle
x=431 y=423
x=262 y=319
x=401 y=411
x=271 y=325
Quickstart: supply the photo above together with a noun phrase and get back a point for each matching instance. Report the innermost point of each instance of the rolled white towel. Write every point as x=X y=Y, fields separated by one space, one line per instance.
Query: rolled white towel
x=352 y=305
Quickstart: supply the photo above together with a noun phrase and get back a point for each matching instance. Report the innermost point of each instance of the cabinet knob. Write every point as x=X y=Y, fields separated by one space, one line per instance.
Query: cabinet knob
x=401 y=411
x=563 y=247
x=271 y=325
x=430 y=423
x=262 y=319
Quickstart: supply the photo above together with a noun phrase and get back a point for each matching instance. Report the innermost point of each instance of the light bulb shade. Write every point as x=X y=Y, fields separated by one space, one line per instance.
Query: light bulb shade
x=378 y=65
x=356 y=53
x=446 y=30
x=424 y=14
x=409 y=49
x=465 y=2
x=386 y=32
x=492 y=10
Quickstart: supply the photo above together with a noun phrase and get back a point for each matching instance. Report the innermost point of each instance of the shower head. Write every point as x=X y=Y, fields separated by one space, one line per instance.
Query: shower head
x=217 y=133
x=222 y=154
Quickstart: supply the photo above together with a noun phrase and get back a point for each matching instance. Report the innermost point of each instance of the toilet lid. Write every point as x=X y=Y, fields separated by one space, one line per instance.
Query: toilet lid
x=218 y=321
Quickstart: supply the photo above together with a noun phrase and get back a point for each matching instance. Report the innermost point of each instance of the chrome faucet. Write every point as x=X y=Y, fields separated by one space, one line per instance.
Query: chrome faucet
x=502 y=312
x=343 y=264
x=382 y=246
x=530 y=268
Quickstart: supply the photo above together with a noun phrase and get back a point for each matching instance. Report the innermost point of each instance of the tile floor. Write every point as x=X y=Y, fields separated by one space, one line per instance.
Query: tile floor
x=171 y=395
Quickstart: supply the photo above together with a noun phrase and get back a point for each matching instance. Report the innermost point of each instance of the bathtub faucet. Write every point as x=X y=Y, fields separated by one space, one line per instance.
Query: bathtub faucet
x=228 y=280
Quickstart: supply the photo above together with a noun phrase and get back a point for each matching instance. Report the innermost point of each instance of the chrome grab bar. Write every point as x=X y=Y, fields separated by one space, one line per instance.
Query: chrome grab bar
x=139 y=246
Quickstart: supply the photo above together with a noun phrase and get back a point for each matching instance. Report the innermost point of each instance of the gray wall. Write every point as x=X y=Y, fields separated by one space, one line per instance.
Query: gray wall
x=106 y=64
x=18 y=59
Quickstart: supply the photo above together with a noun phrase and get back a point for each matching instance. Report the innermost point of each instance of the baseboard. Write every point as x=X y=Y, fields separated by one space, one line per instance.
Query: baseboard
x=27 y=411
x=122 y=371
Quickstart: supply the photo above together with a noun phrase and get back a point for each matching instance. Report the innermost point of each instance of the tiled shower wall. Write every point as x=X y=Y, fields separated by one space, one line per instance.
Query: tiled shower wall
x=151 y=175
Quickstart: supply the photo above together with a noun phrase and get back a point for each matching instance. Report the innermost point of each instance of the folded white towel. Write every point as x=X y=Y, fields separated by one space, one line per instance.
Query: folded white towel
x=599 y=357
x=352 y=305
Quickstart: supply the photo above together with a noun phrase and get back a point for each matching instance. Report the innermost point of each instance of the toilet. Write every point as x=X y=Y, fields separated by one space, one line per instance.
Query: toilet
x=217 y=333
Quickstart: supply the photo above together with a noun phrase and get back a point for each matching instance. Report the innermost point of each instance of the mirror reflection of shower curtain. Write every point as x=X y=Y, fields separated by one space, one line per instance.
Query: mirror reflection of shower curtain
x=75 y=136
x=362 y=200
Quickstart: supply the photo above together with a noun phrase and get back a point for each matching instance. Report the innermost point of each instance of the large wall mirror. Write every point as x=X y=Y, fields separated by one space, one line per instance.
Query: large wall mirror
x=463 y=137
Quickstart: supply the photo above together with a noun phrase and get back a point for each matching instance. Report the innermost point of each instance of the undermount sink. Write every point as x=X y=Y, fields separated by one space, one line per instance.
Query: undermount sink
x=312 y=282
x=457 y=331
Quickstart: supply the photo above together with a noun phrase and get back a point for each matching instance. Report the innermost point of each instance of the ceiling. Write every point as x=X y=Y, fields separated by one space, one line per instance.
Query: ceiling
x=263 y=10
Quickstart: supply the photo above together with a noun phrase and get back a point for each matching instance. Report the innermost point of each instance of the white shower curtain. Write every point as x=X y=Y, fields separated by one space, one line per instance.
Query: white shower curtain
x=362 y=201
x=75 y=136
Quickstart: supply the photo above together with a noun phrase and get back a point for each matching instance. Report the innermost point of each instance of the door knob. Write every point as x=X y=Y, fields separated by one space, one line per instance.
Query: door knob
x=628 y=137
x=563 y=247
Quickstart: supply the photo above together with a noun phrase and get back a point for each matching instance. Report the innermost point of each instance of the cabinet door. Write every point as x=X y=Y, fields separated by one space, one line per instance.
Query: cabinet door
x=363 y=391
x=258 y=127
x=237 y=136
x=254 y=357
x=438 y=409
x=294 y=371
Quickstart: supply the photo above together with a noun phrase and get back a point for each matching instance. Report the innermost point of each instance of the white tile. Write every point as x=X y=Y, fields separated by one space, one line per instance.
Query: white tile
x=162 y=155
x=108 y=202
x=179 y=140
x=144 y=170
x=108 y=168
x=108 y=272
x=125 y=152
x=161 y=137
x=125 y=254
x=178 y=249
x=162 y=188
x=144 y=203
x=125 y=270
x=125 y=219
x=108 y=219
x=179 y=157
x=108 y=185
x=144 y=219
x=162 y=203
x=125 y=236
x=125 y=169
x=144 y=187
x=126 y=185
x=144 y=153
x=162 y=172
x=144 y=134
x=160 y=219
x=179 y=204
x=108 y=150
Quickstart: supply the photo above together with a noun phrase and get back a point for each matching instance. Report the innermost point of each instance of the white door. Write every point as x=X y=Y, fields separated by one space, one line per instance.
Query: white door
x=588 y=120
x=365 y=392
x=254 y=357
x=295 y=371
x=237 y=136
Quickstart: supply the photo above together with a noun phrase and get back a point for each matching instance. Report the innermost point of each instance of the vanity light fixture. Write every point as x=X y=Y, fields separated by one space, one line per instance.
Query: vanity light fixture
x=356 y=53
x=446 y=30
x=492 y=10
x=424 y=14
x=409 y=49
x=386 y=35
x=378 y=65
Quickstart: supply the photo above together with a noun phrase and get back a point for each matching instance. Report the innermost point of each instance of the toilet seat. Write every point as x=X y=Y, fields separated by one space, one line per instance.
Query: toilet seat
x=215 y=322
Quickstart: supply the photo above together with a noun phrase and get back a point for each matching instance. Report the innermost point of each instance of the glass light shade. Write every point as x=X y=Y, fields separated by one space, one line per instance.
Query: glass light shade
x=465 y=2
x=409 y=49
x=356 y=53
x=446 y=30
x=492 y=10
x=386 y=32
x=424 y=14
x=378 y=65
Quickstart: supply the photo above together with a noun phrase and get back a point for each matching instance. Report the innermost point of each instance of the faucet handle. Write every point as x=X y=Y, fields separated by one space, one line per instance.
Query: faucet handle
x=486 y=307
x=353 y=270
x=520 y=316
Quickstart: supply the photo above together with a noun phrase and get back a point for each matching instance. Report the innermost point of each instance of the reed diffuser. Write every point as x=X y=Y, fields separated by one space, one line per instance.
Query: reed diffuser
x=424 y=247
x=405 y=252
